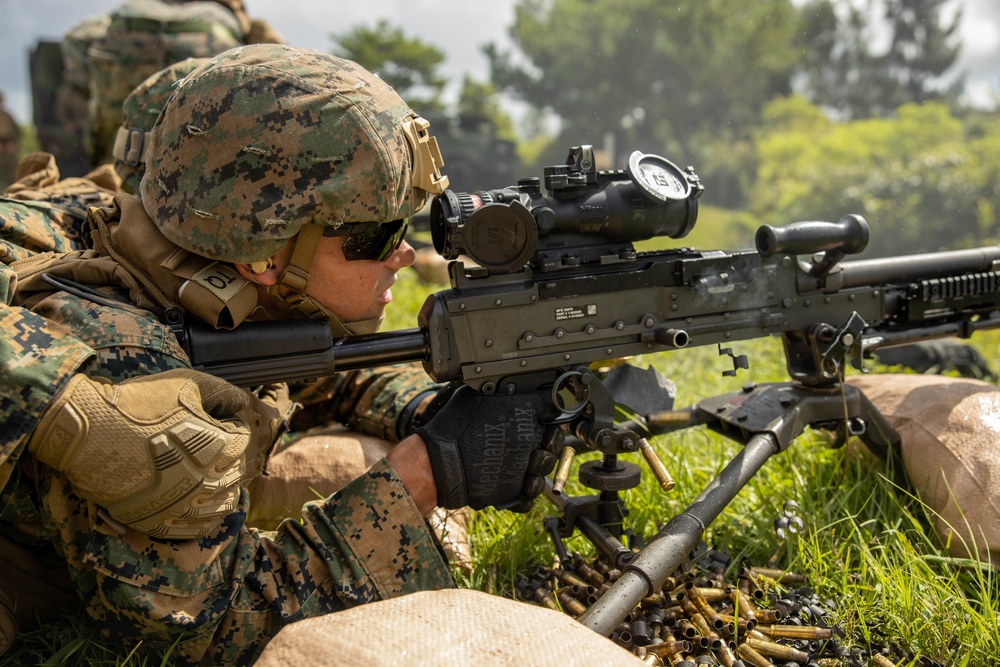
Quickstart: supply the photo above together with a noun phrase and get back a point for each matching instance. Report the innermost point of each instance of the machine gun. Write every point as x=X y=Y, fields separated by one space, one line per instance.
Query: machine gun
x=558 y=285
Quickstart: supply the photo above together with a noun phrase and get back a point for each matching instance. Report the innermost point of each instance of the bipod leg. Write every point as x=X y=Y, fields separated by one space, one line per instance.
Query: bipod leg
x=646 y=573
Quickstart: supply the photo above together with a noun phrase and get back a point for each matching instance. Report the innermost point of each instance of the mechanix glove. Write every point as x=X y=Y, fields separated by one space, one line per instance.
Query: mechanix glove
x=488 y=450
x=163 y=454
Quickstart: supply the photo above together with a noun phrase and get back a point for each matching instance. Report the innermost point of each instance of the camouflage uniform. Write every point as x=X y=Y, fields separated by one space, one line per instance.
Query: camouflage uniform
x=41 y=213
x=220 y=597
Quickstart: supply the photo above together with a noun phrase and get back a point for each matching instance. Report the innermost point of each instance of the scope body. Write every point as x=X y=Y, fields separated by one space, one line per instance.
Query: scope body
x=587 y=215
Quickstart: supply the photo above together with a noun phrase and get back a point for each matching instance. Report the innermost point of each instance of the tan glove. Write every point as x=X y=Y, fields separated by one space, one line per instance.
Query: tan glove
x=164 y=453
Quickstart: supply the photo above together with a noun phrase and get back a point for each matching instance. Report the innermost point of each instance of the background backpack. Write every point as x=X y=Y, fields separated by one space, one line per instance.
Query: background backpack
x=142 y=38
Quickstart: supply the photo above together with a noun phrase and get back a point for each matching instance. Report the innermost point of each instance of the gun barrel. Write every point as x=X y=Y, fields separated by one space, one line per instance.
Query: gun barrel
x=924 y=266
x=313 y=357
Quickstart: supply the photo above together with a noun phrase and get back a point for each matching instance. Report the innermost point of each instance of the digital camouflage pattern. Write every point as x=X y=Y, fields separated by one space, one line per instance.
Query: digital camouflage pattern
x=225 y=594
x=27 y=228
x=37 y=358
x=218 y=598
x=143 y=37
x=42 y=213
x=307 y=137
x=139 y=113
x=371 y=401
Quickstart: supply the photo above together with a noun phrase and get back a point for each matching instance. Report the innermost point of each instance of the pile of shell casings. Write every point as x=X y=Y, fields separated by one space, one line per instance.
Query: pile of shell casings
x=768 y=618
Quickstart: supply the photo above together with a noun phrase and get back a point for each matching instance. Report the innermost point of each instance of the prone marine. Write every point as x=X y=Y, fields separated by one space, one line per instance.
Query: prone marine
x=289 y=174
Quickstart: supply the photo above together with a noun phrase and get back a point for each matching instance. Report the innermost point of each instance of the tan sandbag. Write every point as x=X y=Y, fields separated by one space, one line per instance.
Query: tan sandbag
x=950 y=438
x=446 y=628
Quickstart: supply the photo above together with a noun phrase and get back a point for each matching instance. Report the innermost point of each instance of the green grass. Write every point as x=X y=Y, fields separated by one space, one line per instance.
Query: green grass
x=866 y=545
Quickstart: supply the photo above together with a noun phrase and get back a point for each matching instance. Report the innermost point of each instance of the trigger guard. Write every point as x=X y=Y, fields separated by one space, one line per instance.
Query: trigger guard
x=567 y=415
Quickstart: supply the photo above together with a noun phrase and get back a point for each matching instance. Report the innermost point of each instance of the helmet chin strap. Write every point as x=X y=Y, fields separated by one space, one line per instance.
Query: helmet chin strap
x=291 y=287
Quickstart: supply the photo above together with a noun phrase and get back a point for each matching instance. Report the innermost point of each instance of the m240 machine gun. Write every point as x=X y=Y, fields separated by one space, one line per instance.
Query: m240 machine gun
x=558 y=285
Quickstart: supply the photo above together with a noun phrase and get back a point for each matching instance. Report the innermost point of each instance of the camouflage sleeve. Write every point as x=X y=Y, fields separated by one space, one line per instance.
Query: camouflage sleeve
x=377 y=402
x=37 y=358
x=218 y=600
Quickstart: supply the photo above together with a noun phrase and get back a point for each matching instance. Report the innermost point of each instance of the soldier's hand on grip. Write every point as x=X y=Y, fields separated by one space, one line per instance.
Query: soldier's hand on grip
x=488 y=450
x=164 y=453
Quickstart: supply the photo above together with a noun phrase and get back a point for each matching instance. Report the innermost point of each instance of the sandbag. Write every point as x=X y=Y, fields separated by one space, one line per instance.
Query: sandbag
x=950 y=440
x=448 y=627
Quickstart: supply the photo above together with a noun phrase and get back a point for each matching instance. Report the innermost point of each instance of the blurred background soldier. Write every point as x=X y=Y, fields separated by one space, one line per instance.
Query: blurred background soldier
x=105 y=57
x=10 y=144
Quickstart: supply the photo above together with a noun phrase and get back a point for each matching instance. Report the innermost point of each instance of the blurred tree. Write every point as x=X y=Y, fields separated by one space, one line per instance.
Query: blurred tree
x=407 y=64
x=842 y=71
x=478 y=104
x=476 y=139
x=924 y=180
x=686 y=79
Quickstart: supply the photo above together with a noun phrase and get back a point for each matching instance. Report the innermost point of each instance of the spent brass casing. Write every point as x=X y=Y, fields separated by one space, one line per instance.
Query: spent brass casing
x=689 y=607
x=712 y=639
x=705 y=608
x=879 y=660
x=714 y=594
x=562 y=469
x=655 y=600
x=769 y=616
x=780 y=651
x=653 y=660
x=680 y=660
x=677 y=418
x=670 y=647
x=590 y=574
x=775 y=574
x=726 y=655
x=797 y=632
x=686 y=629
x=673 y=614
x=734 y=622
x=749 y=587
x=569 y=578
x=751 y=655
x=745 y=608
x=656 y=465
x=571 y=604
x=545 y=598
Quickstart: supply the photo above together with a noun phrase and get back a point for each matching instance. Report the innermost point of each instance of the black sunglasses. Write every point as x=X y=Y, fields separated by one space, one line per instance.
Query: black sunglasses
x=374 y=241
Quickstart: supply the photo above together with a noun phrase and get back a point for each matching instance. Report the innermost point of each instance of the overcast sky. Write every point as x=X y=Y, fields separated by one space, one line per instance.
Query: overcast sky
x=458 y=27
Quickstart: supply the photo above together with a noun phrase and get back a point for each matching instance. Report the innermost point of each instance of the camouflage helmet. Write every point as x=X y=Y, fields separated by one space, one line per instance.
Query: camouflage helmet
x=266 y=138
x=140 y=111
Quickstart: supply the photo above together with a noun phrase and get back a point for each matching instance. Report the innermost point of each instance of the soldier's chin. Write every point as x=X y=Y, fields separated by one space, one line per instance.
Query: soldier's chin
x=365 y=326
